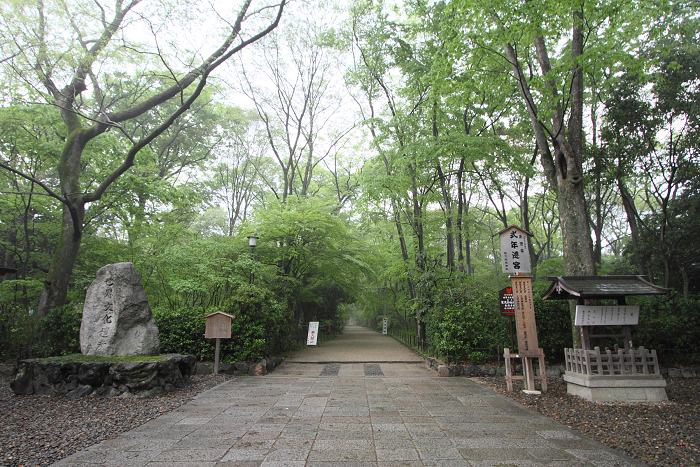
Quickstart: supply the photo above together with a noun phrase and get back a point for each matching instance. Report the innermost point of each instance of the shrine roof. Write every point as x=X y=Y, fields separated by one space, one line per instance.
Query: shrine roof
x=599 y=287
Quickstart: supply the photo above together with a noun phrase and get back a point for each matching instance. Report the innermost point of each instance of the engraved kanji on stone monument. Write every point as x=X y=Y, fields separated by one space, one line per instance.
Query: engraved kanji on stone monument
x=117 y=320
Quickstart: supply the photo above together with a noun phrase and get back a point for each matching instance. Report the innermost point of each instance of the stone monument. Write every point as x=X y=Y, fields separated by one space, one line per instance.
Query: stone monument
x=117 y=320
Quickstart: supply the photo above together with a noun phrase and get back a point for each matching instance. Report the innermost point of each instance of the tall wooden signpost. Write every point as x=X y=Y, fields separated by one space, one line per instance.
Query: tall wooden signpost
x=515 y=260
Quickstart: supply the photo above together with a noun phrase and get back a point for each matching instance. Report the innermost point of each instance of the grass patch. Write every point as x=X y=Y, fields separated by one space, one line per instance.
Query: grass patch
x=80 y=358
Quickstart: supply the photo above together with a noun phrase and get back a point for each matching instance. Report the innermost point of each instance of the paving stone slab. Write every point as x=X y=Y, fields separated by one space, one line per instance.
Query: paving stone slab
x=294 y=416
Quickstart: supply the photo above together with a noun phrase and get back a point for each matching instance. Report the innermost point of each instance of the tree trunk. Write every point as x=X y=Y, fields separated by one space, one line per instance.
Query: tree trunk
x=55 y=289
x=525 y=213
x=563 y=163
x=631 y=212
x=417 y=222
x=447 y=202
x=460 y=221
x=686 y=282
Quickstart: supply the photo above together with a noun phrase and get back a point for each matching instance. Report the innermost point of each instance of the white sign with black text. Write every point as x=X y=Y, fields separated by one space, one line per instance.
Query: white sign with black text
x=606 y=315
x=515 y=256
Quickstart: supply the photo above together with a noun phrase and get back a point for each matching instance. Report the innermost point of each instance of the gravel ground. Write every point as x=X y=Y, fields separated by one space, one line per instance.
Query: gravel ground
x=656 y=434
x=40 y=430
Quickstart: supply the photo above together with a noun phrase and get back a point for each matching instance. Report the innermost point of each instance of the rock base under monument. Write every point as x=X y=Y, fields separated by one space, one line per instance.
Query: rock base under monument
x=103 y=379
x=650 y=388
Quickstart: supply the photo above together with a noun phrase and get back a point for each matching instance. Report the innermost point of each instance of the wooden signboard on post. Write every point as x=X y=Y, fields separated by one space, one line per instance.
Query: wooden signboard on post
x=524 y=314
x=218 y=327
x=515 y=259
x=515 y=254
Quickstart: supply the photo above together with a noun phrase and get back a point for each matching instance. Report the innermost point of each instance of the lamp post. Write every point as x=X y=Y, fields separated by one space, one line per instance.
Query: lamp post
x=252 y=242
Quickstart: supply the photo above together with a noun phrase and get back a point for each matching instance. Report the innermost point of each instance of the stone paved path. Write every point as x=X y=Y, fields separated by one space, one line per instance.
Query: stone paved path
x=350 y=415
x=357 y=344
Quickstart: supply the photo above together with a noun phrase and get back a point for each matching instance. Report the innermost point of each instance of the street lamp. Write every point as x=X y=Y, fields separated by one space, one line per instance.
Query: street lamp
x=252 y=242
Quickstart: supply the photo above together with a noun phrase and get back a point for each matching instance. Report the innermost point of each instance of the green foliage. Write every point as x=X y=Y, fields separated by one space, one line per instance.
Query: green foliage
x=671 y=326
x=261 y=328
x=182 y=331
x=463 y=321
x=320 y=259
x=61 y=331
x=549 y=268
x=553 y=323
x=16 y=321
x=16 y=327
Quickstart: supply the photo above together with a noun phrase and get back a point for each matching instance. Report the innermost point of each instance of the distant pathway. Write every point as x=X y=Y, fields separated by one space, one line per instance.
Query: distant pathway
x=335 y=413
x=357 y=344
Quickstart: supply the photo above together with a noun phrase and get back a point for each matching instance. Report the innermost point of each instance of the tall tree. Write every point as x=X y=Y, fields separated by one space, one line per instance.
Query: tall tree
x=72 y=50
x=292 y=82
x=548 y=48
x=651 y=134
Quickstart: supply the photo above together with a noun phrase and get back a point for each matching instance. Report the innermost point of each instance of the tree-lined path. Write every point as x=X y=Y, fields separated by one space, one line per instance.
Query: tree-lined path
x=357 y=344
x=351 y=415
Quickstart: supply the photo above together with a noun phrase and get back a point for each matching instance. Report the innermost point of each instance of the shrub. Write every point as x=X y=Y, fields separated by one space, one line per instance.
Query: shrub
x=464 y=323
x=553 y=324
x=182 y=331
x=59 y=331
x=16 y=328
x=260 y=328
x=671 y=326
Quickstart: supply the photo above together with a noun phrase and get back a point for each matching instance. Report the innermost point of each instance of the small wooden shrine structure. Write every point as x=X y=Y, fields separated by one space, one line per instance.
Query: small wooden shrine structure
x=624 y=374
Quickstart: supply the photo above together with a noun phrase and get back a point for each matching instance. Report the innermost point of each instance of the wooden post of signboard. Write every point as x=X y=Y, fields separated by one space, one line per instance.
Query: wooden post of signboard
x=218 y=327
x=526 y=329
x=217 y=353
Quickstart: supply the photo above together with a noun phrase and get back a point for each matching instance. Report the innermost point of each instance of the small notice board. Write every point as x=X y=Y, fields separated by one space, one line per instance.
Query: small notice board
x=515 y=255
x=506 y=302
x=218 y=325
x=312 y=338
x=606 y=315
